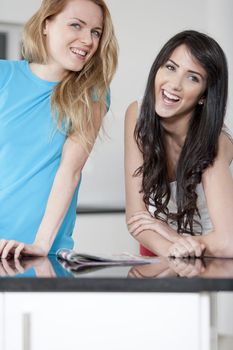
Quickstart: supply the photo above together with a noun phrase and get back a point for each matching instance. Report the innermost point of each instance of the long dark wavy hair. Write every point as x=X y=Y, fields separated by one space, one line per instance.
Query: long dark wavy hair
x=201 y=143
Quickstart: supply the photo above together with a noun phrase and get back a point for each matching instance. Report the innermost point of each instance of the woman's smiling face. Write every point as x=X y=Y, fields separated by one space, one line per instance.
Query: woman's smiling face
x=179 y=85
x=73 y=35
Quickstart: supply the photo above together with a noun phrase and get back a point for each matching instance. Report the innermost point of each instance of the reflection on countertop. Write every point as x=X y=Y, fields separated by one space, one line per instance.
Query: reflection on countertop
x=166 y=275
x=27 y=267
x=202 y=268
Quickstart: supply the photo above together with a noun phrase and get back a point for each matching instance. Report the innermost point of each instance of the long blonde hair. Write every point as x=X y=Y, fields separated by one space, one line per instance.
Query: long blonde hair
x=73 y=97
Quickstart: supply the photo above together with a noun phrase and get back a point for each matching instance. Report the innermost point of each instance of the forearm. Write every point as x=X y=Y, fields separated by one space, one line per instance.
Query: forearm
x=143 y=220
x=167 y=231
x=155 y=242
x=59 y=200
x=216 y=244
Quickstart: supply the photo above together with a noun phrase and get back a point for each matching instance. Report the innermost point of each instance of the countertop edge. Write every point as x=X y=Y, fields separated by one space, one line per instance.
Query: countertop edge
x=164 y=285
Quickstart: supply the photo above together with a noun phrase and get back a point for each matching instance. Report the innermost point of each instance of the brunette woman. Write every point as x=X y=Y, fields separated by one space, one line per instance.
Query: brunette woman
x=178 y=153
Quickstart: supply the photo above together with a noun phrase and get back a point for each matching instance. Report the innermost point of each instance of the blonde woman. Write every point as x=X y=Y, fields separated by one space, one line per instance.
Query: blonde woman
x=51 y=108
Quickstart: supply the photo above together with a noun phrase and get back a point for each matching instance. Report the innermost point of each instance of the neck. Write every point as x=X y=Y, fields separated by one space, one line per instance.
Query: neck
x=176 y=129
x=47 y=72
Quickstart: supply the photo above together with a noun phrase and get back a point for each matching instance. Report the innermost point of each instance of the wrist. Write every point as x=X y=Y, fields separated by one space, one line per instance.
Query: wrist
x=43 y=245
x=168 y=232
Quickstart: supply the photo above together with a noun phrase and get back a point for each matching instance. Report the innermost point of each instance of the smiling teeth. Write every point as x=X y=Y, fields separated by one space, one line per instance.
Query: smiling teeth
x=79 y=52
x=170 y=96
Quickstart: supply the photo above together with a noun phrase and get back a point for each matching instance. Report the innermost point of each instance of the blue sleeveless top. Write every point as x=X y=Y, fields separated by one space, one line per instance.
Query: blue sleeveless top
x=30 y=154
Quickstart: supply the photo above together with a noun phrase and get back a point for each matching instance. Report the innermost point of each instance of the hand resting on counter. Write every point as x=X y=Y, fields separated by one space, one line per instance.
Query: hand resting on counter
x=179 y=246
x=14 y=249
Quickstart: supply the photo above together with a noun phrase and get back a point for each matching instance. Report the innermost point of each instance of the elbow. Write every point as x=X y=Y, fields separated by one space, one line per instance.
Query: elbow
x=133 y=233
x=75 y=178
x=224 y=248
x=71 y=176
x=128 y=225
x=227 y=251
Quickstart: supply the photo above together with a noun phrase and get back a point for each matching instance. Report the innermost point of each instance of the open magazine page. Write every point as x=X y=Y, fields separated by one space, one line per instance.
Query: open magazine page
x=83 y=259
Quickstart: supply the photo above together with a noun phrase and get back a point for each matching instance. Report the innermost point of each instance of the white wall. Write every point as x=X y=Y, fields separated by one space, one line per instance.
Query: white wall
x=220 y=25
x=142 y=27
x=17 y=11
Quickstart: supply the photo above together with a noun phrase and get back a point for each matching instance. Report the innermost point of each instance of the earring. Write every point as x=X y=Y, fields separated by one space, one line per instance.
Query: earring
x=201 y=102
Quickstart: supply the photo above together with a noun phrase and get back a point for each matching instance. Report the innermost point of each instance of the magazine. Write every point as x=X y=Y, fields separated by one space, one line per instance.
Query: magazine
x=82 y=259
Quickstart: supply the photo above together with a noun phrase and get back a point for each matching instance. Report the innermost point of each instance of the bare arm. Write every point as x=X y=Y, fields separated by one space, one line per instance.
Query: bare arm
x=218 y=187
x=152 y=233
x=74 y=157
x=135 y=207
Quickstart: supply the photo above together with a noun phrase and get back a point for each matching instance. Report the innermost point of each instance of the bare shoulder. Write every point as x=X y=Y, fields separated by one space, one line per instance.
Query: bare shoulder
x=225 y=147
x=222 y=162
x=131 y=113
x=131 y=146
x=133 y=107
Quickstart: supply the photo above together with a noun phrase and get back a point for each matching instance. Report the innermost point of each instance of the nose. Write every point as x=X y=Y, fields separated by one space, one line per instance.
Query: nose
x=176 y=82
x=86 y=37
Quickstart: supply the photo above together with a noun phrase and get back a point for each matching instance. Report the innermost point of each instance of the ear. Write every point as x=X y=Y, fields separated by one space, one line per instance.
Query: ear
x=45 y=27
x=201 y=101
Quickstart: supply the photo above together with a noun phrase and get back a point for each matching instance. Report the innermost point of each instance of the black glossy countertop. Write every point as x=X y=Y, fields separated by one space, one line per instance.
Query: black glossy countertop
x=180 y=276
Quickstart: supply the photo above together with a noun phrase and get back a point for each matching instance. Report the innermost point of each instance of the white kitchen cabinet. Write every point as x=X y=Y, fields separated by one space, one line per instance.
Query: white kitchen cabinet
x=2 y=321
x=225 y=314
x=103 y=321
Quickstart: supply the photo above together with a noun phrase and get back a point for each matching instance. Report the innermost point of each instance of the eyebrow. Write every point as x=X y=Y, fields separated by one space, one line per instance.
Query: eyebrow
x=190 y=71
x=80 y=20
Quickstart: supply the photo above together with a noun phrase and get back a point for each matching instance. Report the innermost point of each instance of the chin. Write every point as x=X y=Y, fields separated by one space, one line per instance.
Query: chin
x=163 y=114
x=75 y=69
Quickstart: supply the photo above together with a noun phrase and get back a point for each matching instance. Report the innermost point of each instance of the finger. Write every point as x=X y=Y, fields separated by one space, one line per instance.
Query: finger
x=187 y=271
x=199 y=265
x=3 y=243
x=141 y=212
x=2 y=270
x=197 y=269
x=18 y=250
x=134 y=273
x=181 y=248
x=142 y=228
x=203 y=247
x=167 y=273
x=188 y=246
x=18 y=266
x=142 y=222
x=198 y=247
x=174 y=252
x=178 y=264
x=8 y=248
x=130 y=274
x=138 y=216
x=10 y=271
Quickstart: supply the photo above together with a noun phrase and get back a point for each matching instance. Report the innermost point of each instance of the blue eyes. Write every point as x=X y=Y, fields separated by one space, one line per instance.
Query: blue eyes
x=94 y=32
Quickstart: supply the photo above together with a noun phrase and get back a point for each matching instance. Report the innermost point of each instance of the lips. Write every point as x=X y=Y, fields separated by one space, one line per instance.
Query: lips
x=169 y=98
